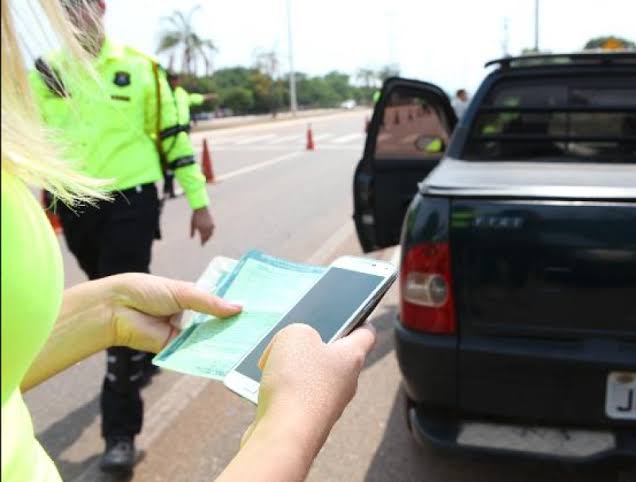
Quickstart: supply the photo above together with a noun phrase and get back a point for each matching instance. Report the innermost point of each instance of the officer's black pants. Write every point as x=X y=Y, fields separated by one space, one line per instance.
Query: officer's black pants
x=116 y=237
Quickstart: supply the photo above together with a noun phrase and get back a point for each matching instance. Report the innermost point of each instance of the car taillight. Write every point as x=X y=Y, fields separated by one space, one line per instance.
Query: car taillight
x=426 y=295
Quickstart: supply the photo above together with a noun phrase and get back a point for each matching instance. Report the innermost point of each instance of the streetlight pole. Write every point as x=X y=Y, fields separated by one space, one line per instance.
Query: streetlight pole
x=293 y=104
x=536 y=26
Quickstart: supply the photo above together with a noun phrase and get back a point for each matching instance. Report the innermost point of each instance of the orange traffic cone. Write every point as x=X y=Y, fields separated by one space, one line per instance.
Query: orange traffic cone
x=50 y=214
x=310 y=139
x=206 y=161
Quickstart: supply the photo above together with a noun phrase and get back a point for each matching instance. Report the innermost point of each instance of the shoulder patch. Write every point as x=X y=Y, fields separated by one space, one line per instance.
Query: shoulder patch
x=122 y=79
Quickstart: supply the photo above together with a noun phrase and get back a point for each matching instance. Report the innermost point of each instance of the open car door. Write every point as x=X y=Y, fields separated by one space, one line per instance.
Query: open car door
x=408 y=134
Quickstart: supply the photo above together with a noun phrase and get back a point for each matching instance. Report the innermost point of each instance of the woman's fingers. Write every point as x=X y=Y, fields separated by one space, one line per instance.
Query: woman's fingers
x=189 y=297
x=262 y=361
x=357 y=344
x=142 y=331
x=294 y=334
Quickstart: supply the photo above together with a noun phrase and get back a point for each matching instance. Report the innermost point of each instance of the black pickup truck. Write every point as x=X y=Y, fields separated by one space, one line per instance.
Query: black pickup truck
x=517 y=324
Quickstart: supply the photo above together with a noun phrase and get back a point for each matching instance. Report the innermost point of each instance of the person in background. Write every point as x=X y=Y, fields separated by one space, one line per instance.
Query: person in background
x=122 y=125
x=305 y=385
x=460 y=102
x=184 y=100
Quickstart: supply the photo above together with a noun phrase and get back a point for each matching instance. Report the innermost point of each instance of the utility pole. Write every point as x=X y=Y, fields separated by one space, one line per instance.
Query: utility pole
x=505 y=39
x=536 y=26
x=293 y=103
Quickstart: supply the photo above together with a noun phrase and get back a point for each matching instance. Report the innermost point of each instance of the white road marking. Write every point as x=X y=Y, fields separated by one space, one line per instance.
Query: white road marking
x=322 y=255
x=347 y=138
x=322 y=137
x=286 y=147
x=285 y=124
x=227 y=140
x=255 y=167
x=282 y=139
x=254 y=139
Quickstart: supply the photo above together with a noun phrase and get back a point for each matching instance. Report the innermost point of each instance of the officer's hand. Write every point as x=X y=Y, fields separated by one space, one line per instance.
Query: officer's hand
x=202 y=222
x=143 y=307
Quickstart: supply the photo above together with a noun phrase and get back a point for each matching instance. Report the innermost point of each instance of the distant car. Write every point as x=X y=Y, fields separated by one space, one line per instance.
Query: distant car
x=517 y=324
x=200 y=116
x=348 y=104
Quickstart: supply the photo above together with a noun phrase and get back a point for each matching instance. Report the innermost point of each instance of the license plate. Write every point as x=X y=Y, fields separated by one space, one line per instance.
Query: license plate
x=620 y=398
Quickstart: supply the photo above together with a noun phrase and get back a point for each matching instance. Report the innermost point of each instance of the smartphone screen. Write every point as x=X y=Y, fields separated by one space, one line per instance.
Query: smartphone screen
x=326 y=306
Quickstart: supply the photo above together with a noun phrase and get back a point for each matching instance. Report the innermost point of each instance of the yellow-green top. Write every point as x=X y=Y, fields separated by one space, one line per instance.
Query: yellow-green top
x=32 y=285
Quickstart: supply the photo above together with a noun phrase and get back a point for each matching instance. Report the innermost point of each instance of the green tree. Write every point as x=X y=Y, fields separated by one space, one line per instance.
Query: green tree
x=340 y=84
x=261 y=86
x=367 y=76
x=388 y=71
x=369 y=80
x=609 y=41
x=207 y=84
x=239 y=99
x=254 y=90
x=267 y=64
x=180 y=38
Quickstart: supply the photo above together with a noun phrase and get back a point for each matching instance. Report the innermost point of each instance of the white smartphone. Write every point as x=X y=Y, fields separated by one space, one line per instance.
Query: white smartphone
x=342 y=298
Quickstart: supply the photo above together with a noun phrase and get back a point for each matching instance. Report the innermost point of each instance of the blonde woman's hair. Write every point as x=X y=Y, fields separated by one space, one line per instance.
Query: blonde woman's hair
x=27 y=150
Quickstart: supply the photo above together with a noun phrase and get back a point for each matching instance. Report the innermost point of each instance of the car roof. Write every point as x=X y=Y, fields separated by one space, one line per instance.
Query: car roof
x=587 y=59
x=528 y=179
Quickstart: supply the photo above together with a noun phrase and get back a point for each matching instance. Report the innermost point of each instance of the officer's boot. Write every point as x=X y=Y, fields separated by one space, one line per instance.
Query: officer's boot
x=119 y=455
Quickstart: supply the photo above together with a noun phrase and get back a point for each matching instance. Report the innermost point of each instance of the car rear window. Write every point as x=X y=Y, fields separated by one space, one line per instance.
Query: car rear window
x=559 y=120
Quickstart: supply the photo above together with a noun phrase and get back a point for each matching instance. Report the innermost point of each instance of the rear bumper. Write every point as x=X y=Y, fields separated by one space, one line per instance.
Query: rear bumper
x=534 y=382
x=548 y=443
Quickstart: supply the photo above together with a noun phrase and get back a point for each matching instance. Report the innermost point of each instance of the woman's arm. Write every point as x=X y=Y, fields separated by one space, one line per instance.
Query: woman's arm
x=305 y=386
x=83 y=327
x=132 y=310
x=279 y=449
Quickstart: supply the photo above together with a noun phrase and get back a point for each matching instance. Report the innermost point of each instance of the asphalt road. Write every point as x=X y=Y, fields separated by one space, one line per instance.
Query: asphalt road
x=272 y=195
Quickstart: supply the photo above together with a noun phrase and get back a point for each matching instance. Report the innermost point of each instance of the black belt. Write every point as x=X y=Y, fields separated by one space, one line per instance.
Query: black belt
x=148 y=187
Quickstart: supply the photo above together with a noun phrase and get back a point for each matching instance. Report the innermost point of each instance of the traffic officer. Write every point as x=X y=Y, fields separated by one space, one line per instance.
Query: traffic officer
x=184 y=101
x=120 y=123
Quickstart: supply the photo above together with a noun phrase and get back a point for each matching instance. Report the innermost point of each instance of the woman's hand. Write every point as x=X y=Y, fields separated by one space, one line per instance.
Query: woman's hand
x=133 y=310
x=308 y=381
x=143 y=307
x=306 y=384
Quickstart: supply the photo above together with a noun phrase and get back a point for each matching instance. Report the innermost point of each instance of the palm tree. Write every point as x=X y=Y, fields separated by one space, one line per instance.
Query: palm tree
x=181 y=38
x=367 y=76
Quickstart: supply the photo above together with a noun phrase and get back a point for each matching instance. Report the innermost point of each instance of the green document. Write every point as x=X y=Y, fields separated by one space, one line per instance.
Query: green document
x=266 y=286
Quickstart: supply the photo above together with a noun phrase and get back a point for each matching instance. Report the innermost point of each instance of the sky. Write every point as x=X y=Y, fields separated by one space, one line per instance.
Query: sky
x=445 y=42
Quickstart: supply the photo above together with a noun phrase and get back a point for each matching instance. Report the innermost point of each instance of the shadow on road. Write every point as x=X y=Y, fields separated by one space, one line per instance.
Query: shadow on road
x=400 y=458
x=382 y=321
x=63 y=433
